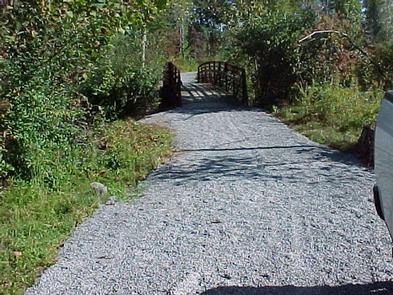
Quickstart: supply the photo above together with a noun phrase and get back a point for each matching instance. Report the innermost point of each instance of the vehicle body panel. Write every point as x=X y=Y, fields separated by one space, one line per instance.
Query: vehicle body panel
x=384 y=160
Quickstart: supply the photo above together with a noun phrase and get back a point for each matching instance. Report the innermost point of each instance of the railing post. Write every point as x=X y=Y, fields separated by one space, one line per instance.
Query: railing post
x=208 y=73
x=178 y=88
x=233 y=79
x=214 y=72
x=244 y=88
x=222 y=75
x=170 y=66
x=226 y=76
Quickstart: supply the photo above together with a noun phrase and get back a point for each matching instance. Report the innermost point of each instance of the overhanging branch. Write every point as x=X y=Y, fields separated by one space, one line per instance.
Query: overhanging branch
x=344 y=35
x=310 y=36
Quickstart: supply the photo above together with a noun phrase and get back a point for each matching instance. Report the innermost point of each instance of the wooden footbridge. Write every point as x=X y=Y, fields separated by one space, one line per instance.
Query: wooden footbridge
x=226 y=76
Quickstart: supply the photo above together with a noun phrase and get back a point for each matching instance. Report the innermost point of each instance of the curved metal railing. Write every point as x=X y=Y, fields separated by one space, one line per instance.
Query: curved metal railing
x=227 y=76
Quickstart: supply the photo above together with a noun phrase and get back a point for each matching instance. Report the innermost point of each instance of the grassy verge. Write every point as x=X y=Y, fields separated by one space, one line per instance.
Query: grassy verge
x=35 y=218
x=332 y=114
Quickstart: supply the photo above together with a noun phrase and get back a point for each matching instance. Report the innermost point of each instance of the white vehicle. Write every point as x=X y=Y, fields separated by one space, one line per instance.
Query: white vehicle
x=383 y=190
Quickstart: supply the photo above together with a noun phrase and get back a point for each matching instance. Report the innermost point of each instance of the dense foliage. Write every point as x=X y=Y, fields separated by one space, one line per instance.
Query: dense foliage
x=299 y=43
x=62 y=63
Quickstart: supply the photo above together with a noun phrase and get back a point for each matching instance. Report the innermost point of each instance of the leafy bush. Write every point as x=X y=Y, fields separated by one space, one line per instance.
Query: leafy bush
x=383 y=57
x=45 y=55
x=41 y=123
x=326 y=104
x=120 y=82
x=187 y=64
x=270 y=42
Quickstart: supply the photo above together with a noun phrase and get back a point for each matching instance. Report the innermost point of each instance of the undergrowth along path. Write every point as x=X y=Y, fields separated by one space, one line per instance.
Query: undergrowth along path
x=246 y=206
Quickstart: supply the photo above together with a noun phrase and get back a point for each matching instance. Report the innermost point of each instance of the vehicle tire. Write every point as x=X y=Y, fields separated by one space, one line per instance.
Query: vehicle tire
x=377 y=202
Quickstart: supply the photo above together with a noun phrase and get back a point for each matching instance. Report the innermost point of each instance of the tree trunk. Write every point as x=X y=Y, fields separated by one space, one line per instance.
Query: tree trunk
x=144 y=46
x=365 y=146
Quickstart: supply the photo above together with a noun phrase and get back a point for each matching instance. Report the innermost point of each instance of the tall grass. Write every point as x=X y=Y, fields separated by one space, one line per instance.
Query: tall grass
x=332 y=114
x=37 y=216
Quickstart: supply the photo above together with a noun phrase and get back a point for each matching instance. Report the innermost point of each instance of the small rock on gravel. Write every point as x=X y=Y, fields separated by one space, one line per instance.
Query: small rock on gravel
x=111 y=201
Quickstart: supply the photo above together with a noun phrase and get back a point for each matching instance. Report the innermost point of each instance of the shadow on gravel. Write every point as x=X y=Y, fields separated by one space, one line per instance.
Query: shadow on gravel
x=383 y=288
x=204 y=98
x=201 y=99
x=339 y=156
x=195 y=92
x=306 y=148
x=307 y=164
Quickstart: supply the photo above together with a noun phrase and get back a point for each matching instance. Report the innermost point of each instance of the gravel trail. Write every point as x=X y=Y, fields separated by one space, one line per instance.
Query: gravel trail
x=245 y=206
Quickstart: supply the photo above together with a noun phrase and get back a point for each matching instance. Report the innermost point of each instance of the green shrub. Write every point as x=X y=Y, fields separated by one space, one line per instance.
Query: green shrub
x=383 y=57
x=41 y=123
x=120 y=82
x=187 y=64
x=270 y=43
x=340 y=107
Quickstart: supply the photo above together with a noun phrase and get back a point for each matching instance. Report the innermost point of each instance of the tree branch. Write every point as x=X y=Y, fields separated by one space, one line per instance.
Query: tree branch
x=321 y=32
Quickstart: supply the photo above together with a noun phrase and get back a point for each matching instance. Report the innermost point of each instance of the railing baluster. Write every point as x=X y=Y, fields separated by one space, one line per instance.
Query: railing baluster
x=226 y=74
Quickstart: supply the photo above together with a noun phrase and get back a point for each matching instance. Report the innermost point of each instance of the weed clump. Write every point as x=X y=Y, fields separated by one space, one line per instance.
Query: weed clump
x=331 y=113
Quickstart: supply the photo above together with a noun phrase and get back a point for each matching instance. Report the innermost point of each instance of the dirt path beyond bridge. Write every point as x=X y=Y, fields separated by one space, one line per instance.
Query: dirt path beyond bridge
x=246 y=206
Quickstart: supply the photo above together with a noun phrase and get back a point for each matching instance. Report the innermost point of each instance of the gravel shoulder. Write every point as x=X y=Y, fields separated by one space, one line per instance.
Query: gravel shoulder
x=245 y=206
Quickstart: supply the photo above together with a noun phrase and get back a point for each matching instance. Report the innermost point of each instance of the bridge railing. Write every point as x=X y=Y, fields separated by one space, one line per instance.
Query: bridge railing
x=227 y=76
x=171 y=86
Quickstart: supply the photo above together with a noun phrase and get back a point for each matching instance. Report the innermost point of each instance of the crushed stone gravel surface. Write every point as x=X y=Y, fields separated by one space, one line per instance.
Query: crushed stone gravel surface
x=245 y=206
